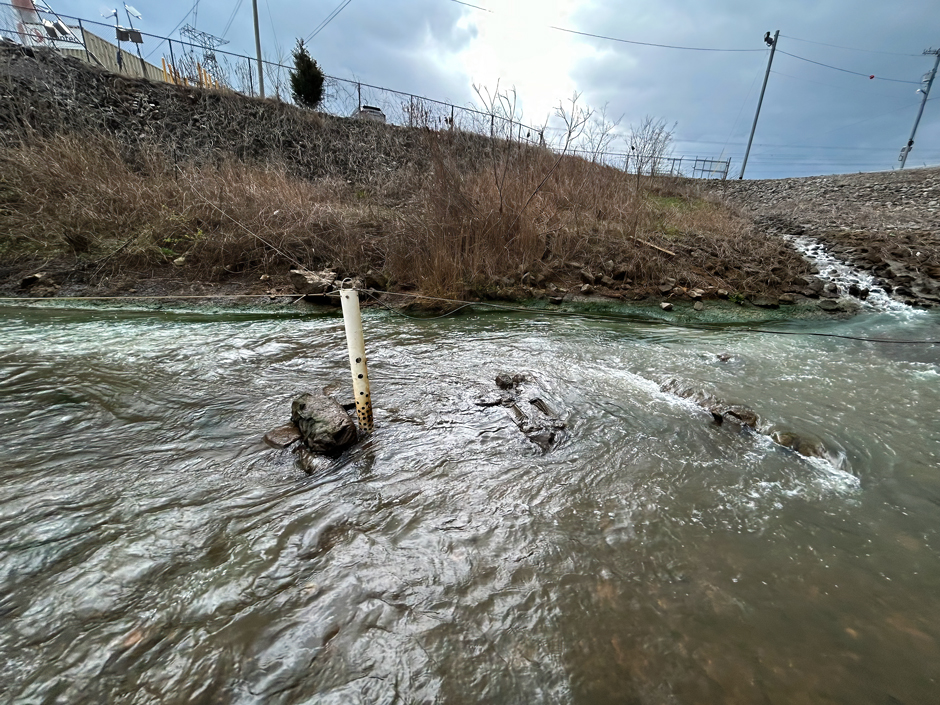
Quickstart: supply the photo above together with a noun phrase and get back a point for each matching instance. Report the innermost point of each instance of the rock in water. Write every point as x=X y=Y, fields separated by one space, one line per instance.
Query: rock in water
x=808 y=447
x=282 y=436
x=830 y=306
x=324 y=426
x=312 y=283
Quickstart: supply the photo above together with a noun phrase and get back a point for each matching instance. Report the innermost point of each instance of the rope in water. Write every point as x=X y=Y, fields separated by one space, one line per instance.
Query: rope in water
x=461 y=304
x=715 y=327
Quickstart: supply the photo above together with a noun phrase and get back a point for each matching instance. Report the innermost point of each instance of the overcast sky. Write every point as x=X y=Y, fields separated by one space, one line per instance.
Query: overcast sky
x=815 y=119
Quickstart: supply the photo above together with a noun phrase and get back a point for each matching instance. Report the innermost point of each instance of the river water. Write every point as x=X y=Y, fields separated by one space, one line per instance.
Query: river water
x=153 y=549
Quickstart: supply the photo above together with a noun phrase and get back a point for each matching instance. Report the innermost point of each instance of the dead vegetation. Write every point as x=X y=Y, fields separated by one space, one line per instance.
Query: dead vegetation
x=222 y=185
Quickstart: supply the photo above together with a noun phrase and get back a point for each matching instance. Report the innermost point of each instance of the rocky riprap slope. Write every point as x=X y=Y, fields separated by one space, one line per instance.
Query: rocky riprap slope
x=885 y=222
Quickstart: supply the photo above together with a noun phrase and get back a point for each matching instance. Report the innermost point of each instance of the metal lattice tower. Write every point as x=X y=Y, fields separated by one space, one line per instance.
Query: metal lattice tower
x=208 y=43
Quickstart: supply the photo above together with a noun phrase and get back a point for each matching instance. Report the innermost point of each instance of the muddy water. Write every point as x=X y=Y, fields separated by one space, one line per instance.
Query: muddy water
x=152 y=549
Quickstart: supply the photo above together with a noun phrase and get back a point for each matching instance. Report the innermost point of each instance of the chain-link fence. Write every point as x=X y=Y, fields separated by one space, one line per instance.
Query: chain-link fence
x=140 y=54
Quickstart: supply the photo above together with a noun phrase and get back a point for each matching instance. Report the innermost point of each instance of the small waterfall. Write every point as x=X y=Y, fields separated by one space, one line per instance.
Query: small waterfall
x=844 y=275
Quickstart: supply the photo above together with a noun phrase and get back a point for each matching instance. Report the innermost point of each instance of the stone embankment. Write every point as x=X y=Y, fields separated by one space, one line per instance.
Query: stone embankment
x=887 y=223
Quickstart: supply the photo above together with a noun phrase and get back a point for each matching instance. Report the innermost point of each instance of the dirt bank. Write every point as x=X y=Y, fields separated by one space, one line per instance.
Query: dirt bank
x=110 y=182
x=118 y=186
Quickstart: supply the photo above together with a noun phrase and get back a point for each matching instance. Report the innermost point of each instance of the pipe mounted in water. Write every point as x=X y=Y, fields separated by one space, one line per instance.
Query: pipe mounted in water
x=352 y=318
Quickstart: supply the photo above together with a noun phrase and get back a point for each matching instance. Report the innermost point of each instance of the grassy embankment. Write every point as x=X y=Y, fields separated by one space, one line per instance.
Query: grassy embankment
x=440 y=213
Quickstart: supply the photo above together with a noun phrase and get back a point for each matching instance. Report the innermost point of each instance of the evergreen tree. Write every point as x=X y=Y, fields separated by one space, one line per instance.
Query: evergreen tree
x=306 y=80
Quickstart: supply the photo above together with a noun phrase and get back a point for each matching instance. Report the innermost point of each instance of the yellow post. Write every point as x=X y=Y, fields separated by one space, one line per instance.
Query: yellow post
x=163 y=65
x=352 y=318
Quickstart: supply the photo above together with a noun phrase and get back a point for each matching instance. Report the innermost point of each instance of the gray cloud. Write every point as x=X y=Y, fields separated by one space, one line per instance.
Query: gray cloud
x=814 y=119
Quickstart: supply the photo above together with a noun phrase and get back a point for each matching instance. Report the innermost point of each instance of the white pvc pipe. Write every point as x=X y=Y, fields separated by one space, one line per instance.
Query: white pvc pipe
x=357 y=358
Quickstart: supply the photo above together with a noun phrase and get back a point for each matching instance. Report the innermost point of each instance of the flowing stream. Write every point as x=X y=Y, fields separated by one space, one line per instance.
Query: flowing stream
x=154 y=550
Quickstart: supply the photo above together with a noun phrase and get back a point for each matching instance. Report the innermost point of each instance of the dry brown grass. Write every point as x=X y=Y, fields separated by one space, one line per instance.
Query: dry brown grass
x=469 y=229
x=71 y=195
x=103 y=173
x=449 y=230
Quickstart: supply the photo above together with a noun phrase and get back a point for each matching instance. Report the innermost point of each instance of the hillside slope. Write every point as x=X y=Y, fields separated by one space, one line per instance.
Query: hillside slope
x=116 y=185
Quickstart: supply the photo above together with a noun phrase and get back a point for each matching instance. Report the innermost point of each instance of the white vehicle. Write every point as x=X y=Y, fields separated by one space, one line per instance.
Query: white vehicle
x=369 y=112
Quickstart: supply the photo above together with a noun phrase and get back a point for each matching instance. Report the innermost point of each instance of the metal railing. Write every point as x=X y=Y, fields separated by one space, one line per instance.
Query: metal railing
x=200 y=66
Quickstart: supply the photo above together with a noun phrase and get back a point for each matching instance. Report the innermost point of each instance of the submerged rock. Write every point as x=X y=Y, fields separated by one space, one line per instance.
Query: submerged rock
x=830 y=306
x=323 y=423
x=282 y=436
x=528 y=410
x=766 y=302
x=804 y=446
x=720 y=410
x=746 y=417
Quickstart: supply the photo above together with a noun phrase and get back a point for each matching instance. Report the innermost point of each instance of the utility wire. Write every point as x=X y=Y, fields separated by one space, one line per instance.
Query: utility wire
x=872 y=117
x=648 y=44
x=475 y=7
x=231 y=18
x=740 y=110
x=856 y=73
x=330 y=18
x=178 y=25
x=617 y=39
x=277 y=44
x=831 y=85
x=839 y=46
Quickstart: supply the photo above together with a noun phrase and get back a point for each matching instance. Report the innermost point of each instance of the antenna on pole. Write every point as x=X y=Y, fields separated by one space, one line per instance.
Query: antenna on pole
x=927 y=82
x=119 y=35
x=134 y=35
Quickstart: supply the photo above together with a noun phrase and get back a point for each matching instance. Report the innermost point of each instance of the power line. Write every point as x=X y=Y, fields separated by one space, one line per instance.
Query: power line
x=856 y=73
x=475 y=7
x=178 y=25
x=830 y=85
x=617 y=39
x=839 y=46
x=648 y=44
x=277 y=44
x=789 y=146
x=740 y=111
x=231 y=18
x=330 y=18
x=869 y=118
